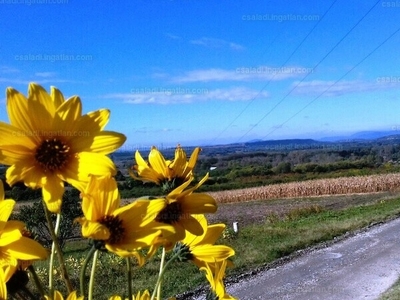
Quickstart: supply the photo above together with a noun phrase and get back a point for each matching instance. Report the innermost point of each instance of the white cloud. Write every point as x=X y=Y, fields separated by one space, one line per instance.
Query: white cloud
x=8 y=70
x=330 y=89
x=260 y=73
x=216 y=43
x=152 y=130
x=15 y=81
x=183 y=95
x=45 y=74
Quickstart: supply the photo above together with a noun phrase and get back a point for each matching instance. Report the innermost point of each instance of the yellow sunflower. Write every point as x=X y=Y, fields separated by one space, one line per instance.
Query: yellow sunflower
x=3 y=287
x=6 y=273
x=167 y=173
x=15 y=247
x=59 y=296
x=139 y=296
x=180 y=207
x=49 y=141
x=121 y=230
x=215 y=275
x=202 y=249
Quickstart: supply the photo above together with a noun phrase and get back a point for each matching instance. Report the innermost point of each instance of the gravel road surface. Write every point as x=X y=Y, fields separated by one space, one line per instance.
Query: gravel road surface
x=360 y=267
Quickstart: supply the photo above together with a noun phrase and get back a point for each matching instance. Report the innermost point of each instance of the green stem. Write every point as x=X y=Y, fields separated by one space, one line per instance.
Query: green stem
x=56 y=249
x=51 y=266
x=83 y=270
x=91 y=281
x=161 y=275
x=36 y=280
x=129 y=277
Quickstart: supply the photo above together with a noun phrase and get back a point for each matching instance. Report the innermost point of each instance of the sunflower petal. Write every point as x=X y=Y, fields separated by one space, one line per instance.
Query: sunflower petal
x=94 y=121
x=100 y=198
x=3 y=287
x=191 y=224
x=95 y=230
x=17 y=110
x=8 y=237
x=157 y=162
x=138 y=239
x=212 y=234
x=27 y=249
x=37 y=93
x=103 y=142
x=52 y=190
x=6 y=208
x=199 y=203
x=191 y=239
x=14 y=154
x=212 y=253
x=179 y=190
x=11 y=135
x=70 y=111
x=86 y=163
x=193 y=158
x=57 y=96
x=14 y=224
x=32 y=176
x=40 y=104
x=140 y=212
x=179 y=163
x=1 y=190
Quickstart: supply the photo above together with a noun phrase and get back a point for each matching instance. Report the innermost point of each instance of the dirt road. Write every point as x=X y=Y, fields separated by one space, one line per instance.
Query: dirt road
x=360 y=267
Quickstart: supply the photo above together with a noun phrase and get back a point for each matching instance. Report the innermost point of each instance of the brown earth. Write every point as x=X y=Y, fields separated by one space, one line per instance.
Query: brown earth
x=246 y=213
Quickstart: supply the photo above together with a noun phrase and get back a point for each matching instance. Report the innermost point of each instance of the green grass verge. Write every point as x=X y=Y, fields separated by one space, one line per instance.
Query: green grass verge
x=393 y=293
x=255 y=245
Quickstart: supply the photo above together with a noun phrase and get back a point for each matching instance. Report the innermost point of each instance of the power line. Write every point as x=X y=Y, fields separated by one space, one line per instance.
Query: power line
x=269 y=81
x=360 y=62
x=308 y=74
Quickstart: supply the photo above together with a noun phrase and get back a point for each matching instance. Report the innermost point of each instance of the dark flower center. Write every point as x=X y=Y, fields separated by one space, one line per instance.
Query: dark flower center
x=170 y=214
x=52 y=154
x=116 y=228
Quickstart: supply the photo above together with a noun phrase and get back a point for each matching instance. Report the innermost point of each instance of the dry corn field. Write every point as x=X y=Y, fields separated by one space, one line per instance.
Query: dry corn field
x=319 y=187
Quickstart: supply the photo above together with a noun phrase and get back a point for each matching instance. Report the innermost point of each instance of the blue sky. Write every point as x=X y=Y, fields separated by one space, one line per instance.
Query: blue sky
x=199 y=72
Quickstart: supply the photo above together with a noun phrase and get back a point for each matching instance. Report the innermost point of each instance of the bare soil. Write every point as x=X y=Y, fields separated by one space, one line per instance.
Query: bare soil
x=253 y=212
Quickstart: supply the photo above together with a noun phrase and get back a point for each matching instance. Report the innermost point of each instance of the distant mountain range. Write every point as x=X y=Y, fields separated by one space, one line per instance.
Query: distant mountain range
x=389 y=137
x=287 y=144
x=361 y=136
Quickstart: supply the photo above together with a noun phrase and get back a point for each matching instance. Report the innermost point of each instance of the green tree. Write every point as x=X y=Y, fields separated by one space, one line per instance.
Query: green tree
x=35 y=220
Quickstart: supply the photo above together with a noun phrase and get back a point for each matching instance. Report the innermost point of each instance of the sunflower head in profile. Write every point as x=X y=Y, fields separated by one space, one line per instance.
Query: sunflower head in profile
x=215 y=273
x=169 y=174
x=180 y=207
x=49 y=141
x=121 y=230
x=16 y=249
x=201 y=249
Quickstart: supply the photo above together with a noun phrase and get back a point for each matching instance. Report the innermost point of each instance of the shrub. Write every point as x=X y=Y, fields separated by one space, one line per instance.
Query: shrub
x=35 y=219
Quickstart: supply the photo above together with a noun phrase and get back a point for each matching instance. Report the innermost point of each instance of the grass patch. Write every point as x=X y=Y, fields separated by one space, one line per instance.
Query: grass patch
x=393 y=293
x=262 y=244
x=255 y=245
